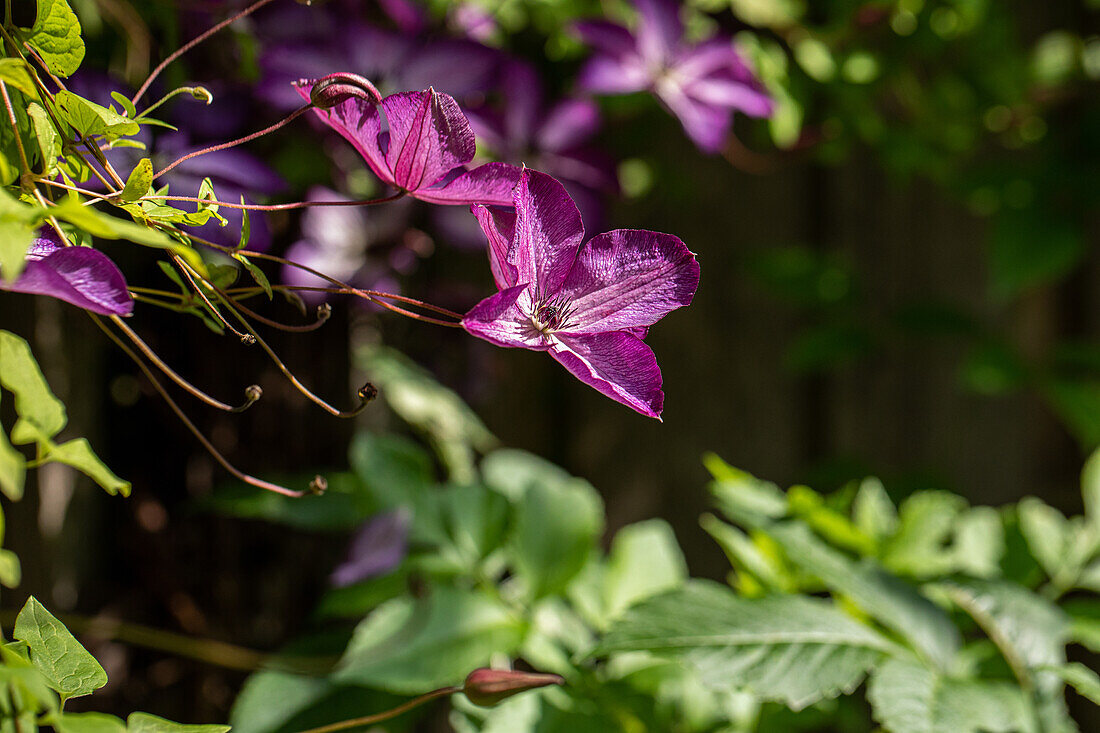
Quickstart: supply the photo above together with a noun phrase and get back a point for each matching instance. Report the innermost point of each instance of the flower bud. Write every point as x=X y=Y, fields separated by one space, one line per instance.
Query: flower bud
x=331 y=90
x=487 y=687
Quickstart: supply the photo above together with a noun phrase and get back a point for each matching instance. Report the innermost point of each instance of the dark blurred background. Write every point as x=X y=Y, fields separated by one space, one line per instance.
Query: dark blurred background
x=898 y=279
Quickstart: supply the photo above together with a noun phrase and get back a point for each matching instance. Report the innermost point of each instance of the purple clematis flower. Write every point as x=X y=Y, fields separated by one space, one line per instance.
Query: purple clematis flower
x=590 y=306
x=424 y=148
x=82 y=276
x=702 y=84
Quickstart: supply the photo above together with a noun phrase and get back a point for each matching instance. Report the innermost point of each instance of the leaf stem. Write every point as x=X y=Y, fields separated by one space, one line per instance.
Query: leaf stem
x=393 y=713
x=274 y=207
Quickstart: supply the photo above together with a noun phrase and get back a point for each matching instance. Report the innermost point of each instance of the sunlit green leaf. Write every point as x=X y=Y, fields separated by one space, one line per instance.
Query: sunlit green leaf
x=56 y=36
x=137 y=185
x=146 y=723
x=67 y=666
x=34 y=401
x=88 y=723
x=644 y=560
x=79 y=454
x=89 y=118
x=49 y=144
x=1080 y=678
x=11 y=572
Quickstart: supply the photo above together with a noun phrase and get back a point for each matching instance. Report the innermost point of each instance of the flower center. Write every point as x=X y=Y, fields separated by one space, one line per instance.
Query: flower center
x=551 y=313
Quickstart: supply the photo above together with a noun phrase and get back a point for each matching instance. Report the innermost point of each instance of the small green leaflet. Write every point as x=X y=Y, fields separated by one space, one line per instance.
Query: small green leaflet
x=79 y=454
x=34 y=401
x=146 y=723
x=11 y=573
x=49 y=144
x=13 y=72
x=137 y=185
x=125 y=103
x=68 y=667
x=256 y=273
x=56 y=36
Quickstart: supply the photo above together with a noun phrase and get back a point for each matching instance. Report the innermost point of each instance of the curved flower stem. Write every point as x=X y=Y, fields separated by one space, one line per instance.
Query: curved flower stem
x=191 y=44
x=170 y=95
x=240 y=475
x=365 y=395
x=275 y=207
x=187 y=272
x=252 y=393
x=324 y=311
x=233 y=143
x=393 y=713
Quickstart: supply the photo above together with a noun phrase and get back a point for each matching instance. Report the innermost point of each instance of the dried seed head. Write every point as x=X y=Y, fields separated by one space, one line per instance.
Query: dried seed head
x=368 y=392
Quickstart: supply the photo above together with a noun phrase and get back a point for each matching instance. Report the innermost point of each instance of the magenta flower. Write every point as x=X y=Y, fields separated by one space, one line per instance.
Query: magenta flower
x=424 y=149
x=82 y=276
x=702 y=84
x=590 y=306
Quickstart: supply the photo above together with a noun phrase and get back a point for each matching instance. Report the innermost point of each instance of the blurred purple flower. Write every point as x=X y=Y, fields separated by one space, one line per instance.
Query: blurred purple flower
x=337 y=240
x=379 y=547
x=473 y=21
x=424 y=148
x=590 y=306
x=317 y=41
x=702 y=84
x=82 y=276
x=550 y=139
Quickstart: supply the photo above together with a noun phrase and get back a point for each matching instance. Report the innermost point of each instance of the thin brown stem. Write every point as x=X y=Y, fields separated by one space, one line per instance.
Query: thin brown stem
x=213 y=308
x=15 y=128
x=275 y=207
x=233 y=143
x=191 y=44
x=393 y=713
x=237 y=473
x=252 y=393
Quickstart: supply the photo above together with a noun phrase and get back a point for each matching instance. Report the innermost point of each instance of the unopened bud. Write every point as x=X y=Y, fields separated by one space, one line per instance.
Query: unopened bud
x=333 y=89
x=253 y=392
x=368 y=392
x=487 y=687
x=318 y=485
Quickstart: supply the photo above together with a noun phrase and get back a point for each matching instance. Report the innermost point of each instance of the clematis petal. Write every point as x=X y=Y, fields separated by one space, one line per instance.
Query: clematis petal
x=706 y=124
x=522 y=97
x=606 y=37
x=489 y=184
x=499 y=227
x=429 y=136
x=568 y=124
x=613 y=75
x=361 y=125
x=502 y=319
x=548 y=231
x=659 y=28
x=618 y=364
x=83 y=276
x=629 y=278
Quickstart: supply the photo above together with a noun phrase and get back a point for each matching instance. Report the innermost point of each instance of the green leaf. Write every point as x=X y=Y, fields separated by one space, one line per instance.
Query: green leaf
x=49 y=144
x=56 y=36
x=746 y=556
x=15 y=239
x=11 y=573
x=137 y=185
x=475 y=519
x=1090 y=491
x=34 y=402
x=246 y=229
x=13 y=72
x=256 y=273
x=925 y=522
x=1080 y=678
x=408 y=646
x=979 y=542
x=1046 y=531
x=125 y=103
x=454 y=430
x=146 y=723
x=13 y=469
x=890 y=600
x=557 y=524
x=793 y=649
x=511 y=472
x=907 y=697
x=87 y=723
x=67 y=666
x=809 y=506
x=741 y=496
x=1030 y=247
x=645 y=560
x=89 y=118
x=271 y=698
x=79 y=454
x=343 y=506
x=872 y=510
x=1084 y=626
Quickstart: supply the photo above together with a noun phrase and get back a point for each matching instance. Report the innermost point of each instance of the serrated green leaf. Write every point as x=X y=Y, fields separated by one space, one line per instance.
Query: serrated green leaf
x=793 y=649
x=1080 y=678
x=644 y=560
x=56 y=36
x=907 y=697
x=68 y=667
x=891 y=601
x=87 y=723
x=137 y=185
x=79 y=454
x=146 y=723
x=34 y=401
x=256 y=273
x=89 y=118
x=408 y=646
